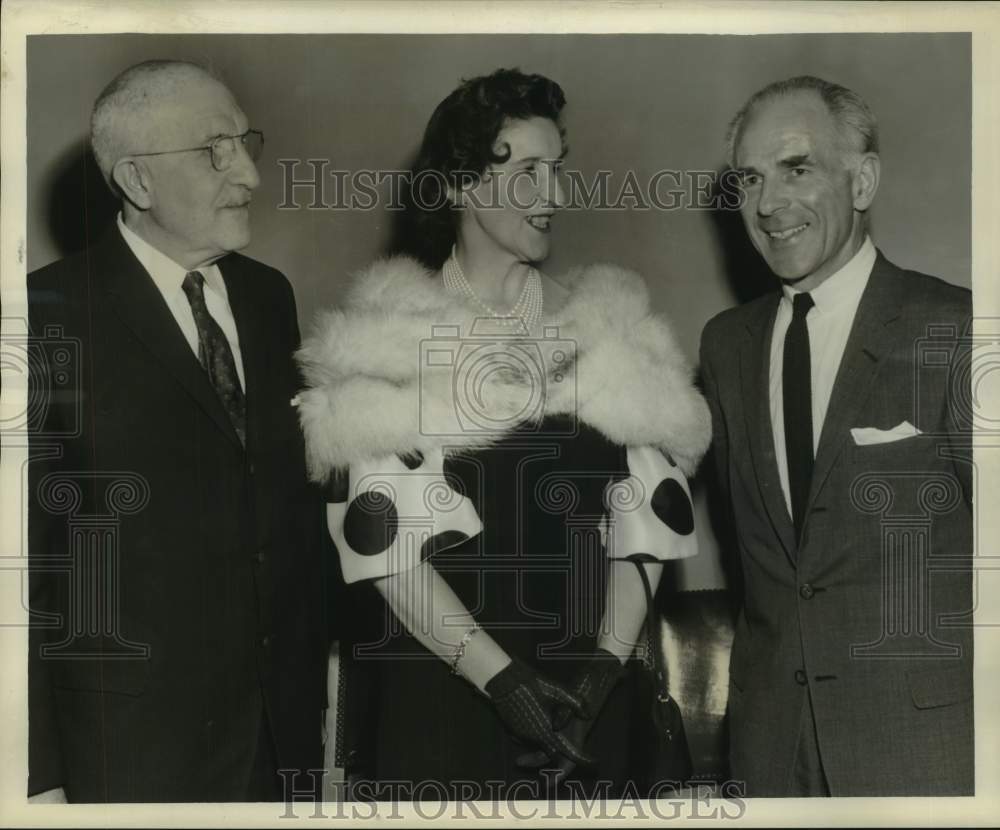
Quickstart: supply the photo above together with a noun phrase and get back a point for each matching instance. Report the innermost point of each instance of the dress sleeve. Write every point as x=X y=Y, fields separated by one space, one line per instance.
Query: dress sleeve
x=389 y=515
x=648 y=514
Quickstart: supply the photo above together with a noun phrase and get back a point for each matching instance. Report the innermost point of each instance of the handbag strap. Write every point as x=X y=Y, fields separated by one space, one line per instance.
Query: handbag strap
x=659 y=670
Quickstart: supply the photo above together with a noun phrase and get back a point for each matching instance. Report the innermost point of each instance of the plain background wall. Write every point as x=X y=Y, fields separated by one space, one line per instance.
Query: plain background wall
x=635 y=102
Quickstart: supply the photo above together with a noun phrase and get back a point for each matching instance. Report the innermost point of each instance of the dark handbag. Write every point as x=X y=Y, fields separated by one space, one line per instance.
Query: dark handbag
x=665 y=753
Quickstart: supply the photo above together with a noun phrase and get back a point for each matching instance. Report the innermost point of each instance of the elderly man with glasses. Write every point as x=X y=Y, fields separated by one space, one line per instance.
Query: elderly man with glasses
x=178 y=645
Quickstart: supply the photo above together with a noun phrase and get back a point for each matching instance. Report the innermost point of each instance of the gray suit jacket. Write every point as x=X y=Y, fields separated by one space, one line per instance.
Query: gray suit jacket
x=871 y=613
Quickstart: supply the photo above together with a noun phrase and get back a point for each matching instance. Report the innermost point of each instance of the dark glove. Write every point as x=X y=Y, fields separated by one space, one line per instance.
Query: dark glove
x=592 y=685
x=523 y=700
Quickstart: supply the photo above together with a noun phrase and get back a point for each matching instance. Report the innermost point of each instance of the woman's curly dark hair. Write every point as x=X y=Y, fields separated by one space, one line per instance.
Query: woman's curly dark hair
x=458 y=142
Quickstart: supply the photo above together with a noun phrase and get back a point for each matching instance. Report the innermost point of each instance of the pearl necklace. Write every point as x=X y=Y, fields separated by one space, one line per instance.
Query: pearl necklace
x=525 y=312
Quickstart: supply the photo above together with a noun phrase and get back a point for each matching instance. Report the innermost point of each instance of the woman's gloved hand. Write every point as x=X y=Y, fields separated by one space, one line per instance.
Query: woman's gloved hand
x=524 y=700
x=592 y=685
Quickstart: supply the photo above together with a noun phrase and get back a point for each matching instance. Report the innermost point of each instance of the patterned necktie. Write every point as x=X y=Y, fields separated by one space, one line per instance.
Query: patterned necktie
x=215 y=355
x=796 y=383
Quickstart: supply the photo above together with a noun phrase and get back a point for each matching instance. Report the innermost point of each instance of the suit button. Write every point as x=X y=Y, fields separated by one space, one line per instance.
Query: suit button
x=806 y=591
x=800 y=677
x=260 y=556
x=265 y=641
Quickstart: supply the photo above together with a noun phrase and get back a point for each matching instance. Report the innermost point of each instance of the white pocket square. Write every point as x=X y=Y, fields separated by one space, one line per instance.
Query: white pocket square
x=866 y=436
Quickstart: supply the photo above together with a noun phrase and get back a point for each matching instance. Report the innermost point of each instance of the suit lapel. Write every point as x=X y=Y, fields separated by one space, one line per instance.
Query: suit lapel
x=872 y=337
x=755 y=362
x=136 y=300
x=244 y=313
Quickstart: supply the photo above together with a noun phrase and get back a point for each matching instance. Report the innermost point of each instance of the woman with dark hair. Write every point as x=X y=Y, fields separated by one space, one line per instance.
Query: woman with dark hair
x=460 y=144
x=505 y=456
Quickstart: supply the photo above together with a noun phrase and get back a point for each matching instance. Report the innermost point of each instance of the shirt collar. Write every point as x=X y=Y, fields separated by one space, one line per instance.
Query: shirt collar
x=844 y=286
x=167 y=274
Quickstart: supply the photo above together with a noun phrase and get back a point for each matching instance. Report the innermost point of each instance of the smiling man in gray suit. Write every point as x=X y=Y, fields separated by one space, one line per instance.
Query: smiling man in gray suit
x=839 y=448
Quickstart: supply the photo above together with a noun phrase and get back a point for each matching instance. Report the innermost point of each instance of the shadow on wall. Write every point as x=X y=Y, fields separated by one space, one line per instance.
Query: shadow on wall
x=720 y=521
x=78 y=205
x=426 y=235
x=747 y=273
x=403 y=227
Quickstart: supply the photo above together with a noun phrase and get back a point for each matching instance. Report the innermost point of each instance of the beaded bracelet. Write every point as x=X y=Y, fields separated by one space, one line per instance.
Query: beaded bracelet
x=460 y=648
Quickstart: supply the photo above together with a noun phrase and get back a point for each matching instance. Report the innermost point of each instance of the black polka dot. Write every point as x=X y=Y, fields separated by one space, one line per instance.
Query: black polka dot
x=642 y=558
x=371 y=523
x=412 y=460
x=673 y=507
x=441 y=541
x=335 y=489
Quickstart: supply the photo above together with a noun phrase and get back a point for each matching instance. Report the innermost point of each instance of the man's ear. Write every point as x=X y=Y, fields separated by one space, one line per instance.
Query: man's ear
x=133 y=181
x=866 y=179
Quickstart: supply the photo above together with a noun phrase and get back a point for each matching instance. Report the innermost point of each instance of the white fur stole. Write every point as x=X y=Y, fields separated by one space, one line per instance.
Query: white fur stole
x=406 y=367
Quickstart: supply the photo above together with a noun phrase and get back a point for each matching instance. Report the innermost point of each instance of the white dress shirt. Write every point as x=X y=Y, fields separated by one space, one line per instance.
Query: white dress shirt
x=169 y=279
x=829 y=323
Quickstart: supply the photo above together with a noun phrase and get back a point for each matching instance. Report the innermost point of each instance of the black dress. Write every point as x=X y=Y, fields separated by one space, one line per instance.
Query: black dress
x=535 y=580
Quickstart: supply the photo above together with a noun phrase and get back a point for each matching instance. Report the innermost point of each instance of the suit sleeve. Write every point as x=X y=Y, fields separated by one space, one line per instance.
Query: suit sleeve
x=331 y=604
x=959 y=405
x=44 y=539
x=316 y=609
x=720 y=437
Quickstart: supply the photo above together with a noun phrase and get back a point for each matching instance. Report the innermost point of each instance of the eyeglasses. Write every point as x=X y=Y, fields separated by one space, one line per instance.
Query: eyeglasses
x=223 y=149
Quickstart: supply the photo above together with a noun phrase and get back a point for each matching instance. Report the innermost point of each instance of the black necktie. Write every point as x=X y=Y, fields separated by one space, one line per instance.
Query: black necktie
x=796 y=385
x=216 y=356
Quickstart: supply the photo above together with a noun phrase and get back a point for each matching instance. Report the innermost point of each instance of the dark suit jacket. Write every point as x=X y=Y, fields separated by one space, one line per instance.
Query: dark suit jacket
x=175 y=586
x=872 y=611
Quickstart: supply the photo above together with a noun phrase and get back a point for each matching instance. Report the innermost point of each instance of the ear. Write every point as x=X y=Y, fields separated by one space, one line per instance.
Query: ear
x=133 y=181
x=865 y=181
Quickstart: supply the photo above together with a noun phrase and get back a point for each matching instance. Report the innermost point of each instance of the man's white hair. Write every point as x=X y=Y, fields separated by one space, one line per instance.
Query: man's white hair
x=856 y=121
x=128 y=102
